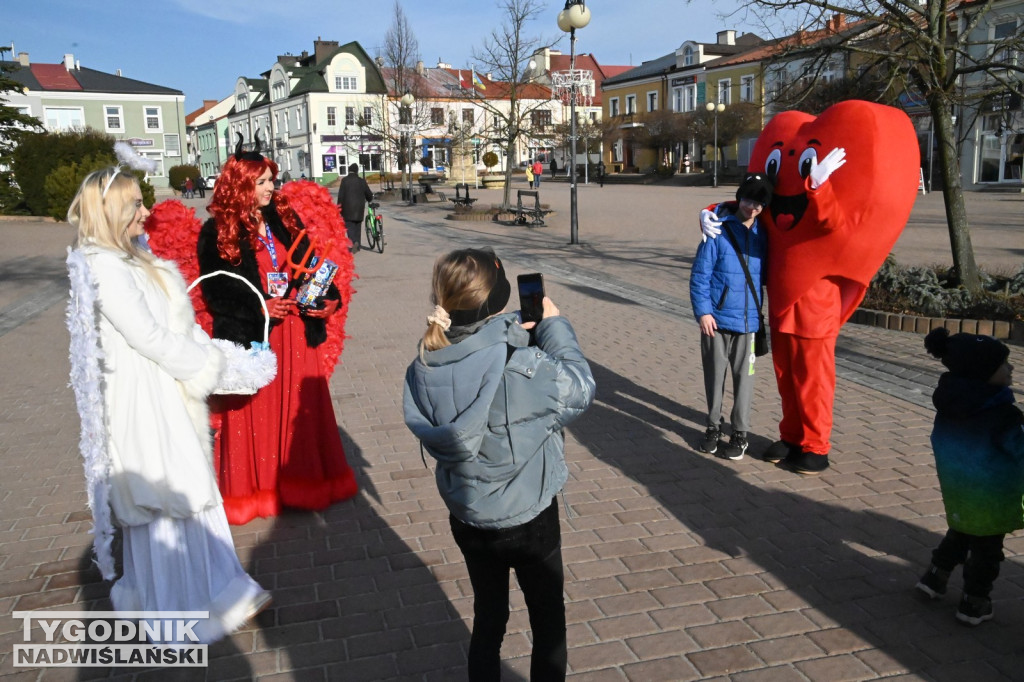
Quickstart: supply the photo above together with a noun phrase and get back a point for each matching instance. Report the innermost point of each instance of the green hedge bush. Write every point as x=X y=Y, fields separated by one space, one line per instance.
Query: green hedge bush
x=36 y=156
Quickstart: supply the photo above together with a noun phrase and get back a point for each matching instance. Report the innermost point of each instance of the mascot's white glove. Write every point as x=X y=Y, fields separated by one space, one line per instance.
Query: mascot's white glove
x=821 y=171
x=710 y=225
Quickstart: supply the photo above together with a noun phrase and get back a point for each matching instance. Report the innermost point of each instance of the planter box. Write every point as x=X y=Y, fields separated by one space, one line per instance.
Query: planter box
x=1000 y=329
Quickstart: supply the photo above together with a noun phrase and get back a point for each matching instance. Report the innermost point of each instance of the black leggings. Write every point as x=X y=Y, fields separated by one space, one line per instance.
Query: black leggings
x=534 y=550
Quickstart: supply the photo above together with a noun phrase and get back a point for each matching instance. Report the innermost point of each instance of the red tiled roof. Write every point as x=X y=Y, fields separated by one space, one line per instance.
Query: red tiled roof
x=207 y=105
x=54 y=77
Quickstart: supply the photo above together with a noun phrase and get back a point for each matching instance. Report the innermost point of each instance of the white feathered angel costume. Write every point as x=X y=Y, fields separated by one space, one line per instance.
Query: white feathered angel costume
x=142 y=369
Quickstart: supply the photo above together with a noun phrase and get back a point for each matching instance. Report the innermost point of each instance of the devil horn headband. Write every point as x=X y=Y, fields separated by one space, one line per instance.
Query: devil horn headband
x=254 y=155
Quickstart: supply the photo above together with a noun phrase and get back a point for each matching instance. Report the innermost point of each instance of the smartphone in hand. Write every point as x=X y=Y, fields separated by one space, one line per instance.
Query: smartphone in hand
x=531 y=296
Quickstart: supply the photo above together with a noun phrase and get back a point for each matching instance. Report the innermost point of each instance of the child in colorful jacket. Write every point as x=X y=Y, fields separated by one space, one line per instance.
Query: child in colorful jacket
x=978 y=439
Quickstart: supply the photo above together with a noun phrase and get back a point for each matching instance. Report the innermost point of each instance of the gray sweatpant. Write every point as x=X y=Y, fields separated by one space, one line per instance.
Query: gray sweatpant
x=720 y=353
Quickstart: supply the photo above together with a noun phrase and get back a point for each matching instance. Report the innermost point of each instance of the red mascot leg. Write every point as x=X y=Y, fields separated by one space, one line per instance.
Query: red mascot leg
x=806 y=373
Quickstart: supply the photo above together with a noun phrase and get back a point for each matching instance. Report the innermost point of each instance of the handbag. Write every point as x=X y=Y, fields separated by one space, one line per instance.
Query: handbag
x=761 y=344
x=246 y=370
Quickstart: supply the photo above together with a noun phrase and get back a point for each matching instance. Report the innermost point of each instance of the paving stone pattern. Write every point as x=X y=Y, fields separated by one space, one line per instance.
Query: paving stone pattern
x=679 y=566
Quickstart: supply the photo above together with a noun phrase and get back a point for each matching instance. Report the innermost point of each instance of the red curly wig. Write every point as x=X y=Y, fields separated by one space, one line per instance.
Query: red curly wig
x=234 y=205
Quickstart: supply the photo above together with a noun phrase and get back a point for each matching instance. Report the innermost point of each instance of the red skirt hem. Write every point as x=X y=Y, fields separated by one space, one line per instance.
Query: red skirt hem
x=316 y=494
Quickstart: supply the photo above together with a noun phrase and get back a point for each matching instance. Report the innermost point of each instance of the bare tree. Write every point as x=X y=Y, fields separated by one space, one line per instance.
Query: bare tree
x=930 y=49
x=506 y=55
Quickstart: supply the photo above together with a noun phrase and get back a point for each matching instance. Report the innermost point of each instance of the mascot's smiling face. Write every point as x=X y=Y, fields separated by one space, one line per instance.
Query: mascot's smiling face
x=881 y=151
x=846 y=227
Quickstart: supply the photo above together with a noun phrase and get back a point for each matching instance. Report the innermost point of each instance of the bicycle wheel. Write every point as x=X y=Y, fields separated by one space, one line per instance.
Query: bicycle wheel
x=380 y=235
x=370 y=234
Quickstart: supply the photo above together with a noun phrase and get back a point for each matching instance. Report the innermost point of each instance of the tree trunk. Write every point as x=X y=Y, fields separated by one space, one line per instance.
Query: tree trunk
x=953 y=196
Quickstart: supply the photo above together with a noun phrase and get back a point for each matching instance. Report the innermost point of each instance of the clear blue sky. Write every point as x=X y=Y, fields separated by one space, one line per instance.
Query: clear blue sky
x=202 y=46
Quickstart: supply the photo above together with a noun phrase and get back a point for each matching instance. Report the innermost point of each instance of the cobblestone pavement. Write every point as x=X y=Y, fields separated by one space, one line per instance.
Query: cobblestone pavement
x=679 y=566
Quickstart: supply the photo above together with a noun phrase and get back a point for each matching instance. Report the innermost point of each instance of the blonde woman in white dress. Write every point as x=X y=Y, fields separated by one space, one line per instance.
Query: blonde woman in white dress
x=142 y=370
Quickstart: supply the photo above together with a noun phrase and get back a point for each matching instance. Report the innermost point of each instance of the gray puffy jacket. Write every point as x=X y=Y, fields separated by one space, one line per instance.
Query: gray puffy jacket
x=495 y=427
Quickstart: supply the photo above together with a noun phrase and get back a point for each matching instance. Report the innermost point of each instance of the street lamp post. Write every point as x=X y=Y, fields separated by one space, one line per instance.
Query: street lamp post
x=574 y=16
x=405 y=120
x=716 y=109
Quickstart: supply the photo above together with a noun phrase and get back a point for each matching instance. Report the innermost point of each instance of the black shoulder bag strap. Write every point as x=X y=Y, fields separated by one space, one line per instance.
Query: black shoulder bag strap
x=746 y=271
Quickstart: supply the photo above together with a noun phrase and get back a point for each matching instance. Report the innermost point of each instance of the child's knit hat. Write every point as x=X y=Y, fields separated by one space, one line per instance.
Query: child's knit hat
x=972 y=356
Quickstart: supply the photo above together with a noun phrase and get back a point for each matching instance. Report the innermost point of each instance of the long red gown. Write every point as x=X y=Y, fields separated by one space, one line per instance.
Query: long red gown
x=281 y=446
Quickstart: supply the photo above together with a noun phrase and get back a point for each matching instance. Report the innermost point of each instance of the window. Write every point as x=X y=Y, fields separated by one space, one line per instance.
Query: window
x=1004 y=32
x=688 y=56
x=747 y=89
x=652 y=101
x=346 y=83
x=467 y=117
x=279 y=91
x=690 y=97
x=298 y=118
x=172 y=145
x=64 y=118
x=613 y=106
x=154 y=122
x=437 y=115
x=332 y=116
x=113 y=117
x=630 y=104
x=724 y=86
x=242 y=102
x=540 y=118
x=350 y=116
x=368 y=116
x=677 y=99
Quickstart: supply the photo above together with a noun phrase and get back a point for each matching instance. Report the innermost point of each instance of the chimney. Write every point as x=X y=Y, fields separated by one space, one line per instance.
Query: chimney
x=837 y=23
x=69 y=61
x=727 y=37
x=419 y=68
x=118 y=73
x=23 y=58
x=78 y=65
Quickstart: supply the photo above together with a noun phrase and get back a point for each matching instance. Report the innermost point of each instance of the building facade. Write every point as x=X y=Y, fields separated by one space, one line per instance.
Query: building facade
x=68 y=96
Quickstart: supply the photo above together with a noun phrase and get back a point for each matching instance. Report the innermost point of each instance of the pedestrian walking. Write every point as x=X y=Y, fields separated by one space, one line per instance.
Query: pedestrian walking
x=529 y=176
x=726 y=286
x=554 y=167
x=490 y=408
x=600 y=172
x=201 y=187
x=189 y=187
x=978 y=441
x=538 y=173
x=352 y=197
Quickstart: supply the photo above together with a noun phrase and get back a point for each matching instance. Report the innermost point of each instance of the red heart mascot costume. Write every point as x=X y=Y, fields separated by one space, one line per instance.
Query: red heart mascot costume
x=845 y=183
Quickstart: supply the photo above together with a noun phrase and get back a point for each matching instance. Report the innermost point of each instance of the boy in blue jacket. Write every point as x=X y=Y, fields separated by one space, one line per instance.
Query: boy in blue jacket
x=727 y=310
x=978 y=439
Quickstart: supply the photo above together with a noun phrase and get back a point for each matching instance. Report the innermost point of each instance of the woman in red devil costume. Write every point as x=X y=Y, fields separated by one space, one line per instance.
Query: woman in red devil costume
x=845 y=184
x=281 y=446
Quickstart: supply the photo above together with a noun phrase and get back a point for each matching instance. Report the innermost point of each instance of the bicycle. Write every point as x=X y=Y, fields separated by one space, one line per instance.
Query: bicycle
x=374 y=227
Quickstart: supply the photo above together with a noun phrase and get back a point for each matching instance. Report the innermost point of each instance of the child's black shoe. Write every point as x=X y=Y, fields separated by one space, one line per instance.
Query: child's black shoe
x=933 y=582
x=974 y=610
x=709 y=443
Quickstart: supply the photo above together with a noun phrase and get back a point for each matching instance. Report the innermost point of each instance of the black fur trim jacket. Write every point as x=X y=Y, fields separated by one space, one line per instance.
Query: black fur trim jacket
x=237 y=315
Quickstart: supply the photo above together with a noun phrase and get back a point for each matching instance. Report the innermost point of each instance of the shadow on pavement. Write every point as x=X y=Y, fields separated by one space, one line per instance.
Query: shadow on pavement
x=833 y=566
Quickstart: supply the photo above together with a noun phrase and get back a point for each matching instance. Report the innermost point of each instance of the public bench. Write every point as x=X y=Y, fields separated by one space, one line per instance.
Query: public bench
x=462 y=199
x=526 y=214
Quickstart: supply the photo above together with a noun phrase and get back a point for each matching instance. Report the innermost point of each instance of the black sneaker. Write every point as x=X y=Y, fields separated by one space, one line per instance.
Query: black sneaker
x=974 y=610
x=779 y=450
x=710 y=442
x=806 y=463
x=736 y=447
x=933 y=582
